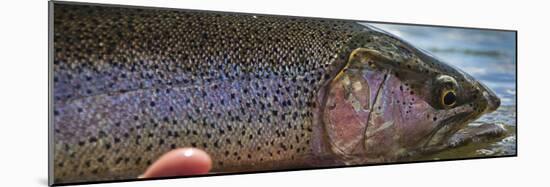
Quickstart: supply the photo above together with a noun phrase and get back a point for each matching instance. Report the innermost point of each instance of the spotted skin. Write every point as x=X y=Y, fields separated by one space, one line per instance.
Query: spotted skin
x=133 y=81
x=131 y=84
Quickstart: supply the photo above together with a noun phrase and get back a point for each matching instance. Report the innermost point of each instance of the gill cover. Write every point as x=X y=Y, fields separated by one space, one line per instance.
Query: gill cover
x=350 y=100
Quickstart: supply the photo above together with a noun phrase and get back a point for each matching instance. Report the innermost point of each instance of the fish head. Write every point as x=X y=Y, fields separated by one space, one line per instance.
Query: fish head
x=392 y=100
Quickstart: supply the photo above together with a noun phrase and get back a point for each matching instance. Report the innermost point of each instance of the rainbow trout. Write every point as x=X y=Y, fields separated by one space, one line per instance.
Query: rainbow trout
x=256 y=92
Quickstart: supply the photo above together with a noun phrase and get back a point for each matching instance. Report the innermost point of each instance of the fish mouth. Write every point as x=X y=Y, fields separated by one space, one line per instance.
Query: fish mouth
x=435 y=140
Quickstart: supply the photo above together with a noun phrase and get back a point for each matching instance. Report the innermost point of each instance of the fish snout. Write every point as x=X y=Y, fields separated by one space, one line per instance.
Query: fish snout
x=493 y=101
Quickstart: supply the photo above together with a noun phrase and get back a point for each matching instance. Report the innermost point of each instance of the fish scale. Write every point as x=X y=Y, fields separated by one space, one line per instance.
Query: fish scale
x=143 y=81
x=256 y=92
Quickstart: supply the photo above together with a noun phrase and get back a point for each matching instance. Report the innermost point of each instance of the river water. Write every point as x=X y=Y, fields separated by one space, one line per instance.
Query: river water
x=487 y=55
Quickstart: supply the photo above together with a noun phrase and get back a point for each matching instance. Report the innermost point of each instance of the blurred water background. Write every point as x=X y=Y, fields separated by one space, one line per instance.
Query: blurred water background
x=487 y=55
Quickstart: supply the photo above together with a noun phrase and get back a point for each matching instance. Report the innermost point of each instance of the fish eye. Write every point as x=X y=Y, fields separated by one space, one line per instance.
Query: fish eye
x=448 y=98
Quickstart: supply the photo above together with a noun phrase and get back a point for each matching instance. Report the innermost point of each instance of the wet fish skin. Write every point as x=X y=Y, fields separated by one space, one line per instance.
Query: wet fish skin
x=131 y=84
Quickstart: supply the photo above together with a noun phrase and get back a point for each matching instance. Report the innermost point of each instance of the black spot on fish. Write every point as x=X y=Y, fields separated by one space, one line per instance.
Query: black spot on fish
x=283 y=146
x=100 y=159
x=107 y=146
x=118 y=160
x=240 y=143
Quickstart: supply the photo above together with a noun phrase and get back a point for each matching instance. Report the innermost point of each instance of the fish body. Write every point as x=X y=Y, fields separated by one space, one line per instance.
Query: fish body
x=256 y=92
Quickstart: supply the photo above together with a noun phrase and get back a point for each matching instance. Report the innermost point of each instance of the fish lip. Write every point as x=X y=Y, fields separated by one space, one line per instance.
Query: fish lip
x=450 y=122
